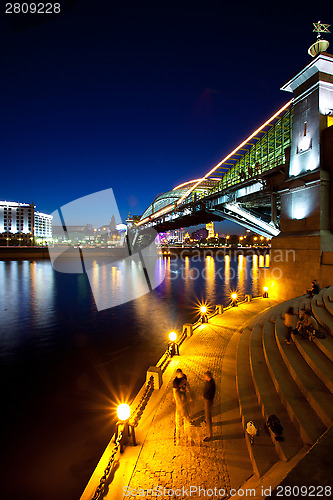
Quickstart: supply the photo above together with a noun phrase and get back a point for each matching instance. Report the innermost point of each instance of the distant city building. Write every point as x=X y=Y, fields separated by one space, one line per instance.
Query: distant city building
x=16 y=217
x=20 y=223
x=43 y=225
x=210 y=229
x=178 y=236
x=129 y=221
x=200 y=234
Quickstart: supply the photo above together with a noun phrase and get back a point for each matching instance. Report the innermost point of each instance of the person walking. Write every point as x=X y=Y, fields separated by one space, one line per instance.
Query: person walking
x=180 y=389
x=208 y=396
x=290 y=322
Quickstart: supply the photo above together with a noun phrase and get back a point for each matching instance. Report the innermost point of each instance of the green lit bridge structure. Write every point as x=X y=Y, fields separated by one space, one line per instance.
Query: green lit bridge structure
x=241 y=188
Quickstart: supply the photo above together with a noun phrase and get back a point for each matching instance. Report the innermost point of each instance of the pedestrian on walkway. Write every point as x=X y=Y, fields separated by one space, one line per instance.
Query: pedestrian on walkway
x=180 y=389
x=208 y=395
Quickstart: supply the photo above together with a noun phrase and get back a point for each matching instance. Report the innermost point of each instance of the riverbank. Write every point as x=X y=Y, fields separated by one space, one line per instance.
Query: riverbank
x=36 y=253
x=224 y=462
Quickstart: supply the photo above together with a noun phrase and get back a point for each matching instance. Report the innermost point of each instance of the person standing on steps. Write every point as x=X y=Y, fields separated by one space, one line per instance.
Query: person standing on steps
x=290 y=322
x=208 y=396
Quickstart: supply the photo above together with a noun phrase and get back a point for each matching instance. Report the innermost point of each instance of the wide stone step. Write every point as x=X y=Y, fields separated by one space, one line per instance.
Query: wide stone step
x=269 y=399
x=317 y=394
x=262 y=453
x=326 y=346
x=328 y=300
x=304 y=303
x=319 y=297
x=300 y=412
x=329 y=293
x=316 y=359
x=322 y=315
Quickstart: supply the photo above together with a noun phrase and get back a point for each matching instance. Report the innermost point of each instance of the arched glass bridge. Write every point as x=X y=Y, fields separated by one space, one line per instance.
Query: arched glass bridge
x=242 y=187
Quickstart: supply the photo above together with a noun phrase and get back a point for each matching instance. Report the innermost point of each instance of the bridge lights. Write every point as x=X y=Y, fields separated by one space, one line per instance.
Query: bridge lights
x=234 y=297
x=173 y=347
x=265 y=294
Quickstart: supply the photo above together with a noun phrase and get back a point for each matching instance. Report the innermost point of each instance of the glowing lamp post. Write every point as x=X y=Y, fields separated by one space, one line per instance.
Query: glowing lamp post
x=123 y=412
x=234 y=299
x=173 y=347
x=265 y=294
x=203 y=314
x=125 y=431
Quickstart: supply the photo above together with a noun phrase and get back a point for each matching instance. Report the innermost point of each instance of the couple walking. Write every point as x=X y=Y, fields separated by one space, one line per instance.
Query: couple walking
x=181 y=388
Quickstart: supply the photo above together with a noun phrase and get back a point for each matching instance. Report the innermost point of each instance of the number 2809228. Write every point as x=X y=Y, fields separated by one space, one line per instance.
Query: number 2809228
x=33 y=8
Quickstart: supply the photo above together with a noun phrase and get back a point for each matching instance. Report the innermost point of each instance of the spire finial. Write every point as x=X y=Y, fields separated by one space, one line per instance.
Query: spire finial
x=321 y=28
x=320 y=45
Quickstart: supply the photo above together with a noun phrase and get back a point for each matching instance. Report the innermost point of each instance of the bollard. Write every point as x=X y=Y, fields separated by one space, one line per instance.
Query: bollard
x=156 y=372
x=188 y=329
x=219 y=308
x=248 y=298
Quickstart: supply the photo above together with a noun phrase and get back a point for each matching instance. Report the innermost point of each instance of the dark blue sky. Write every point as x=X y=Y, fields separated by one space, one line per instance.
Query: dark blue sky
x=139 y=95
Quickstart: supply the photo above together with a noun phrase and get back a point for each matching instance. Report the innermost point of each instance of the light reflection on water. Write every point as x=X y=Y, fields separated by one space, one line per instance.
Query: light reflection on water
x=37 y=300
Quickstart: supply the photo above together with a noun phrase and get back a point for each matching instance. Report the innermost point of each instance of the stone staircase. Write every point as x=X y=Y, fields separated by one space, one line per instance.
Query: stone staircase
x=293 y=381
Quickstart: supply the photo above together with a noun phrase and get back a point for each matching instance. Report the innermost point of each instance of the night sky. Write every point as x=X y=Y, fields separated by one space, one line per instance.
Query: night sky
x=137 y=95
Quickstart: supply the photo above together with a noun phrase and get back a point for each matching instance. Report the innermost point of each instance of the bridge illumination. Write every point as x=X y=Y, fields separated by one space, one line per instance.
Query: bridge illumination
x=197 y=183
x=236 y=149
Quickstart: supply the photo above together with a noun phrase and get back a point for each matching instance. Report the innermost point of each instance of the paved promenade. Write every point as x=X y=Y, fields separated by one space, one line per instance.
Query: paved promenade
x=220 y=463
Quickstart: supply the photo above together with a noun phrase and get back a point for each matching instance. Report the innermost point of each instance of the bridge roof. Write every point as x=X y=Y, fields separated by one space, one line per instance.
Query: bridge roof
x=169 y=197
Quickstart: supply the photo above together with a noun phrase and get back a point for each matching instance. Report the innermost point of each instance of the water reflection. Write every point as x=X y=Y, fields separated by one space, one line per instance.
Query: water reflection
x=36 y=300
x=210 y=279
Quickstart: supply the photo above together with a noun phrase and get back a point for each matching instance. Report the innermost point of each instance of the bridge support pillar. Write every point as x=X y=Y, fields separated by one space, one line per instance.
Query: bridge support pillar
x=304 y=248
x=274 y=208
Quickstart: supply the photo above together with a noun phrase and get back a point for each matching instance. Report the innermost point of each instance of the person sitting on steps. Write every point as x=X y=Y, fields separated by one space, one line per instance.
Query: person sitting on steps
x=310 y=326
x=314 y=290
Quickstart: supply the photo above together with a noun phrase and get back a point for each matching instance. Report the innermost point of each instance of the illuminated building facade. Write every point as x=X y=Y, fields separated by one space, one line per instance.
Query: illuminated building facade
x=210 y=229
x=43 y=226
x=21 y=224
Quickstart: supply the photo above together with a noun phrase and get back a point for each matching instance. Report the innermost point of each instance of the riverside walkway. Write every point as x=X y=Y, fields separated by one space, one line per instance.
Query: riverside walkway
x=223 y=462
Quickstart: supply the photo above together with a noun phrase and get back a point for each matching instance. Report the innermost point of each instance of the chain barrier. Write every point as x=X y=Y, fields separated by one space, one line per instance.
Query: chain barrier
x=137 y=413
x=107 y=470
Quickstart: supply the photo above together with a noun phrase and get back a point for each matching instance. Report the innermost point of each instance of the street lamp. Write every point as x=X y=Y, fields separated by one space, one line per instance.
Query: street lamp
x=123 y=412
x=173 y=347
x=203 y=314
x=234 y=299
x=125 y=430
x=265 y=294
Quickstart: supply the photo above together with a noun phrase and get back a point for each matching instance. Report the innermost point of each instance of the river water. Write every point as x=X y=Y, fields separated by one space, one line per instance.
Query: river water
x=65 y=365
